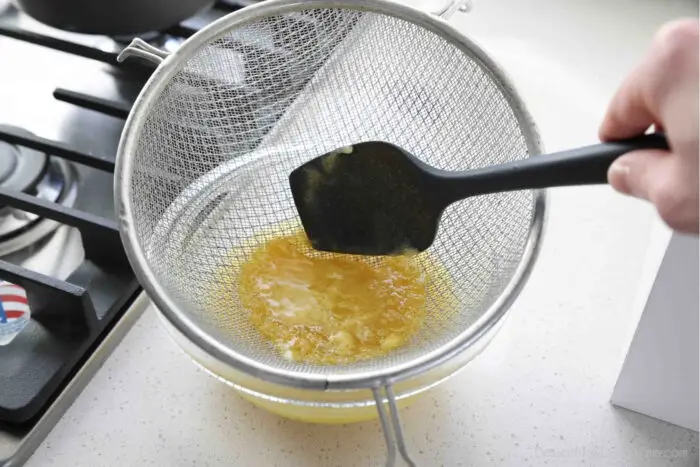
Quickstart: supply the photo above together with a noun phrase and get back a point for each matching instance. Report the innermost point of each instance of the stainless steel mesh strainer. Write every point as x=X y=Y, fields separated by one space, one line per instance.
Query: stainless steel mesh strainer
x=203 y=164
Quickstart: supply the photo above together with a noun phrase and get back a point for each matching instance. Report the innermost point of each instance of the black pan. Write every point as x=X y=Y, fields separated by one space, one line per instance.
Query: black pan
x=112 y=17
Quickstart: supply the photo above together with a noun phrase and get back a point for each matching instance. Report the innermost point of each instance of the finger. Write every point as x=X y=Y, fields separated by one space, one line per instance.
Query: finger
x=669 y=67
x=629 y=114
x=661 y=178
x=634 y=173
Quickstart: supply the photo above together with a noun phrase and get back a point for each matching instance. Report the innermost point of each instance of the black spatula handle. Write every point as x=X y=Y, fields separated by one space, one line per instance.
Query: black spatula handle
x=581 y=166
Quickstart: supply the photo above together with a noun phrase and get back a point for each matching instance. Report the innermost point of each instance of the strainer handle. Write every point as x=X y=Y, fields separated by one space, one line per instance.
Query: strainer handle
x=391 y=426
x=581 y=166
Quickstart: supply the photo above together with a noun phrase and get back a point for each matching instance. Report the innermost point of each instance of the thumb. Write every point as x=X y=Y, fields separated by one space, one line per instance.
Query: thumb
x=663 y=179
x=639 y=173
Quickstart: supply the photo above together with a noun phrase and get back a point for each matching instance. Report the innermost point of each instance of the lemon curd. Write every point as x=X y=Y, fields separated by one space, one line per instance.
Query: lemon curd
x=328 y=308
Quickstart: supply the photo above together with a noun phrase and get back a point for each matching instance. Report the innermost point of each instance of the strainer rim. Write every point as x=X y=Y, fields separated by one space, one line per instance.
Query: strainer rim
x=179 y=318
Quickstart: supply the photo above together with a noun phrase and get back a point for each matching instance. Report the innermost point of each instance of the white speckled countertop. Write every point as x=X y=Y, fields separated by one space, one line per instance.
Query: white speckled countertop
x=537 y=396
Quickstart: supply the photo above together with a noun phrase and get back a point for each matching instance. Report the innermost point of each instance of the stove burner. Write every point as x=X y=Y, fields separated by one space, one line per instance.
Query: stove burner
x=20 y=168
x=35 y=173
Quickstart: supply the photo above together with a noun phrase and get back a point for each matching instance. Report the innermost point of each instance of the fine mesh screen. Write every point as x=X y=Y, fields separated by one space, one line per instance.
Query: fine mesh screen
x=210 y=172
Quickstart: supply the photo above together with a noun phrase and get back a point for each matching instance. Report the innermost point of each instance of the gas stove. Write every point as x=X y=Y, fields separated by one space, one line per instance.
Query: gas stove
x=65 y=282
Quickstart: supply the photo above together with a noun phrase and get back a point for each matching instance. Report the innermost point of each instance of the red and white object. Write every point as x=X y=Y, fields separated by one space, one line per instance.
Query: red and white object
x=14 y=311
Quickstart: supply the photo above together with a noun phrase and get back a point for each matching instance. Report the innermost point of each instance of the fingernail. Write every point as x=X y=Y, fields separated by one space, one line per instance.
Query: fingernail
x=617 y=176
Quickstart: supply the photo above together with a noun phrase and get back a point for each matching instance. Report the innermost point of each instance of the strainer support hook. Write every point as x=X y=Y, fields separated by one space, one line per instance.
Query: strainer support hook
x=142 y=49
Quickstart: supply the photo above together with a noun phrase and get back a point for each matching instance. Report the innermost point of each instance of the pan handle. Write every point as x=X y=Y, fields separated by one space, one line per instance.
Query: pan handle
x=142 y=49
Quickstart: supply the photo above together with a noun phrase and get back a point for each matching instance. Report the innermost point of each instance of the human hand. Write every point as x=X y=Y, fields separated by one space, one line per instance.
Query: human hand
x=662 y=91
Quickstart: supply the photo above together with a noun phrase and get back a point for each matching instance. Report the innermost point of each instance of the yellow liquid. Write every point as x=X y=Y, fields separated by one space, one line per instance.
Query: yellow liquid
x=328 y=308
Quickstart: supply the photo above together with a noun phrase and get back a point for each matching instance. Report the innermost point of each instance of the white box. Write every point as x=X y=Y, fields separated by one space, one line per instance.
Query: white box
x=659 y=377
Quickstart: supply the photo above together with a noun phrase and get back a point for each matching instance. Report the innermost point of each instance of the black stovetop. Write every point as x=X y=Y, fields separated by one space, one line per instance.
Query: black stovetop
x=71 y=94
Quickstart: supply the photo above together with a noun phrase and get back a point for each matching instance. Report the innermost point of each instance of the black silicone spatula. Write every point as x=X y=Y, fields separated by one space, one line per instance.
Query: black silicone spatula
x=377 y=199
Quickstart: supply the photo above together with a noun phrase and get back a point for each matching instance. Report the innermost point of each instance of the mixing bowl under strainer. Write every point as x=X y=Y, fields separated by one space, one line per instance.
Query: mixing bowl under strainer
x=203 y=164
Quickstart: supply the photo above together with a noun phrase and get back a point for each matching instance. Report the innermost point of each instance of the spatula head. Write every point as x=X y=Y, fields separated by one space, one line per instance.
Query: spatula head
x=372 y=198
